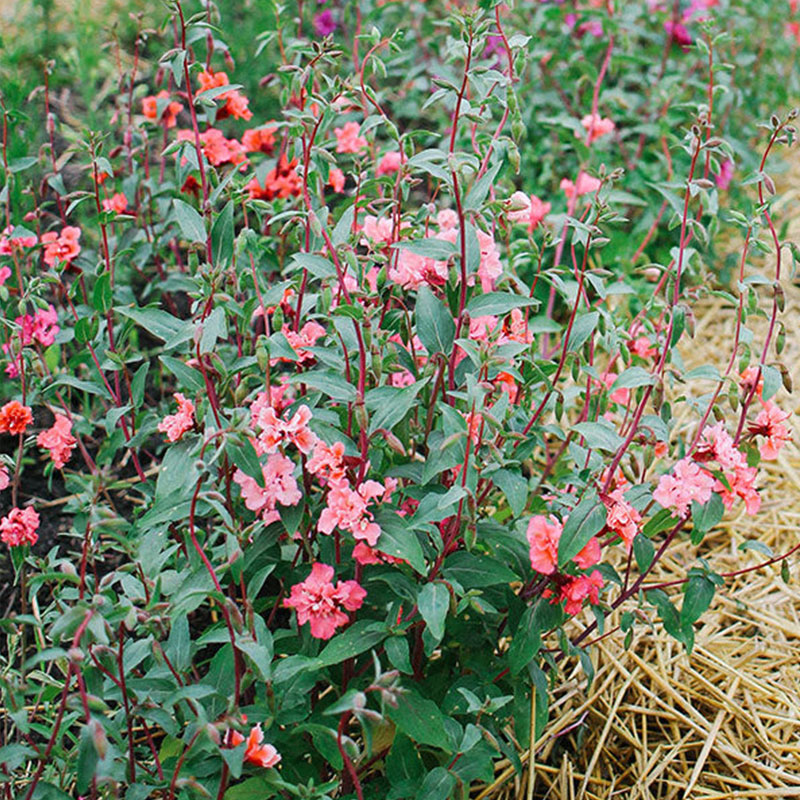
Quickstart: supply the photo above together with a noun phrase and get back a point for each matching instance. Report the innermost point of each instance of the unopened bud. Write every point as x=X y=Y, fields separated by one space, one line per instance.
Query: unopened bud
x=75 y=655
x=780 y=297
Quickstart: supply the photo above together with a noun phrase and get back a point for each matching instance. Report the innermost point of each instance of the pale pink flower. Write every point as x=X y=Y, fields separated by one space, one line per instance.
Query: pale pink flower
x=318 y=601
x=280 y=486
x=742 y=484
x=533 y=210
x=515 y=329
x=389 y=164
x=769 y=423
x=378 y=231
x=348 y=138
x=19 y=527
x=4 y=479
x=688 y=482
x=543 y=537
x=481 y=327
x=5 y=274
x=175 y=425
x=585 y=184
x=307 y=337
x=58 y=440
x=447 y=219
x=597 y=126
x=348 y=509
x=275 y=431
x=717 y=443
x=490 y=267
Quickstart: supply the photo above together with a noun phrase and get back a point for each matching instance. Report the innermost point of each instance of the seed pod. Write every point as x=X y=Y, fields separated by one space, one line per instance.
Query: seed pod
x=262 y=353
x=786 y=378
x=733 y=397
x=362 y=417
x=780 y=297
x=769 y=184
x=780 y=340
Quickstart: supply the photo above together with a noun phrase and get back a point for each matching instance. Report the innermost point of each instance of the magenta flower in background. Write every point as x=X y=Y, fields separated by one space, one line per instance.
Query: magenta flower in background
x=723 y=177
x=324 y=23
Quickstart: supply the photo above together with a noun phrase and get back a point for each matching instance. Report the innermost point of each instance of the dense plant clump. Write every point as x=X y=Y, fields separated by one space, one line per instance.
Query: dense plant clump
x=356 y=390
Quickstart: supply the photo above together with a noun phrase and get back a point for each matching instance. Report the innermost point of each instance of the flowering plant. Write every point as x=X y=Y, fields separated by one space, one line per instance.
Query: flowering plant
x=367 y=417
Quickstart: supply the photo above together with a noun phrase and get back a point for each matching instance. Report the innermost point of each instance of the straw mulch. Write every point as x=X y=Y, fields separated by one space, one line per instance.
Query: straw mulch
x=723 y=722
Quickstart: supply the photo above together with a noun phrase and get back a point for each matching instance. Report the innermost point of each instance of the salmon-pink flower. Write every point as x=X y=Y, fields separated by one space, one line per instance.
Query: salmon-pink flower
x=307 y=337
x=4 y=479
x=688 y=482
x=282 y=181
x=326 y=461
x=348 y=138
x=175 y=425
x=543 y=536
x=19 y=527
x=389 y=164
x=348 y=509
x=769 y=423
x=61 y=246
x=117 y=202
x=585 y=184
x=336 y=179
x=318 y=601
x=259 y=140
x=275 y=431
x=589 y=555
x=15 y=417
x=490 y=267
x=236 y=104
x=621 y=517
x=742 y=484
x=169 y=111
x=748 y=380
x=377 y=230
x=597 y=126
x=58 y=440
x=257 y=753
x=581 y=588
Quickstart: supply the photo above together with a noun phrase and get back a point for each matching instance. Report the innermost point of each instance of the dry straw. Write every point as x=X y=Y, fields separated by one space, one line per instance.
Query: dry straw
x=723 y=722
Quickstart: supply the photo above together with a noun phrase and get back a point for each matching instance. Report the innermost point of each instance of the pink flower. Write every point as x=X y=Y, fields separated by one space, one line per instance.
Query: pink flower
x=5 y=274
x=723 y=177
x=585 y=184
x=348 y=139
x=481 y=327
x=589 y=555
x=169 y=111
x=261 y=755
x=389 y=164
x=275 y=431
x=742 y=484
x=581 y=588
x=15 y=418
x=19 y=527
x=61 y=247
x=687 y=483
x=175 y=425
x=307 y=337
x=678 y=34
x=490 y=267
x=117 y=202
x=280 y=486
x=769 y=423
x=348 y=509
x=326 y=462
x=4 y=479
x=597 y=126
x=58 y=440
x=447 y=219
x=543 y=537
x=235 y=102
x=318 y=601
x=621 y=517
x=336 y=179
x=533 y=210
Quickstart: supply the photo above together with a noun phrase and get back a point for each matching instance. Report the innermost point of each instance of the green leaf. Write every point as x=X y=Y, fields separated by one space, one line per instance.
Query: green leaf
x=435 y=326
x=318 y=266
x=582 y=329
x=438 y=785
x=87 y=760
x=527 y=639
x=497 y=304
x=631 y=378
x=243 y=455
x=222 y=236
x=599 y=436
x=643 y=552
x=587 y=519
x=433 y=602
x=138 y=384
x=398 y=540
x=480 y=189
x=361 y=636
x=398 y=653
x=421 y=720
x=101 y=296
x=477 y=572
x=514 y=486
x=395 y=406
x=188 y=377
x=329 y=383
x=155 y=321
x=705 y=517
x=437 y=249
x=190 y=221
x=697 y=598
